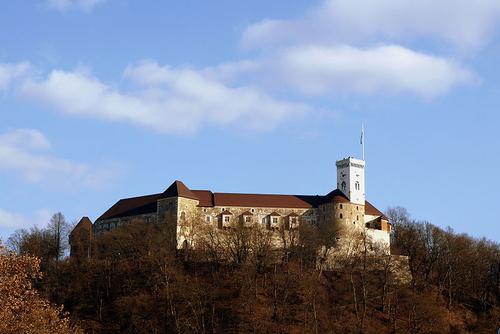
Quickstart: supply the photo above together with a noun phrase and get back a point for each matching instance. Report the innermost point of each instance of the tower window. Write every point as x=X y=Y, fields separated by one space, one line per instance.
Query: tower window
x=357 y=186
x=343 y=185
x=341 y=216
x=340 y=206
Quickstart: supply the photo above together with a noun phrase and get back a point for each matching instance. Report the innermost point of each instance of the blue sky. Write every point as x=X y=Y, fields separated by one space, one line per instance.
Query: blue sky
x=104 y=99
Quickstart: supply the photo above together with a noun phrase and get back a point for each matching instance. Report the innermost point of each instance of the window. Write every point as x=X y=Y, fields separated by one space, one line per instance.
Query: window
x=248 y=219
x=357 y=217
x=253 y=210
x=357 y=186
x=183 y=216
x=226 y=219
x=340 y=206
x=208 y=219
x=264 y=220
x=343 y=185
x=354 y=223
x=205 y=210
x=357 y=207
x=275 y=220
x=341 y=216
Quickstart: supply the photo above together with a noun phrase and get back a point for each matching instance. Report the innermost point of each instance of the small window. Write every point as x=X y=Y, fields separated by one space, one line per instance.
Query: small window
x=226 y=219
x=253 y=210
x=205 y=210
x=275 y=220
x=357 y=207
x=343 y=185
x=354 y=223
x=264 y=220
x=208 y=219
x=341 y=216
x=357 y=217
x=357 y=186
x=248 y=219
x=340 y=206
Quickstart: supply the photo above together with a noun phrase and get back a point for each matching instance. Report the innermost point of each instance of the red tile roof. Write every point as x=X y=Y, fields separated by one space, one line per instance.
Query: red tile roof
x=178 y=189
x=148 y=204
x=84 y=223
x=206 y=197
x=371 y=210
x=265 y=200
x=132 y=207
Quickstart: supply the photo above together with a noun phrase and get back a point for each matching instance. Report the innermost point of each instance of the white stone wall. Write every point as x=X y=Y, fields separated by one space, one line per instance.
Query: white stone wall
x=351 y=171
x=380 y=239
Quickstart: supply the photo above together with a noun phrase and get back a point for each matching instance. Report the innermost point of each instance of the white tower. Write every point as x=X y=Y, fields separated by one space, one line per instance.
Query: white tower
x=351 y=179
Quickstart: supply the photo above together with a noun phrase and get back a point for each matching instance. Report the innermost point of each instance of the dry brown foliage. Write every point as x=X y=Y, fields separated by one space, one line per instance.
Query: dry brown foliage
x=22 y=310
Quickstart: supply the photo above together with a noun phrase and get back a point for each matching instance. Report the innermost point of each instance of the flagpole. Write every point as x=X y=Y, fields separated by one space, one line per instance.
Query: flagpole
x=363 y=139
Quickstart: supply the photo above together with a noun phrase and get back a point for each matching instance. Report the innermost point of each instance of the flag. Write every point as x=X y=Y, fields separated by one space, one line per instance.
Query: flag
x=362 y=135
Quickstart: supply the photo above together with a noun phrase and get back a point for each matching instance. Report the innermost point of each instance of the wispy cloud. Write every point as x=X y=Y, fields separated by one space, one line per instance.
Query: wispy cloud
x=163 y=98
x=462 y=23
x=11 y=220
x=319 y=70
x=26 y=152
x=66 y=5
x=12 y=71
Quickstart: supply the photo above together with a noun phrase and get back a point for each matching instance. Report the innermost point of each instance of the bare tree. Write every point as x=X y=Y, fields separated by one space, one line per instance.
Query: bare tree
x=59 y=230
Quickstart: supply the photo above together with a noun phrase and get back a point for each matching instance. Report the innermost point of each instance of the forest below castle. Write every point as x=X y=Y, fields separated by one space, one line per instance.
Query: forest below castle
x=133 y=281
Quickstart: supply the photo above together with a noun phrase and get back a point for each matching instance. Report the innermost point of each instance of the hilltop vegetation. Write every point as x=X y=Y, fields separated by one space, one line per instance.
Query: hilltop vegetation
x=133 y=282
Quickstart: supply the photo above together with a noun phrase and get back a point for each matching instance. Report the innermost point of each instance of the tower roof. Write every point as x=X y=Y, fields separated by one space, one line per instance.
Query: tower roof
x=178 y=189
x=84 y=223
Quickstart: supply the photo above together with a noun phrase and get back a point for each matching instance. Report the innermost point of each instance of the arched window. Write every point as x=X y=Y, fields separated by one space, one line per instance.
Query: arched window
x=183 y=216
x=341 y=216
x=357 y=186
x=343 y=185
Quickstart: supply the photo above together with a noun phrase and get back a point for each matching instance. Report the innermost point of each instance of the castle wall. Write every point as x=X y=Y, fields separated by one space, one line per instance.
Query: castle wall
x=213 y=215
x=108 y=224
x=347 y=215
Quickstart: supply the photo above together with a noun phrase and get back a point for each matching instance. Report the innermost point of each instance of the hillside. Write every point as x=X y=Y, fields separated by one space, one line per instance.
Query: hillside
x=133 y=283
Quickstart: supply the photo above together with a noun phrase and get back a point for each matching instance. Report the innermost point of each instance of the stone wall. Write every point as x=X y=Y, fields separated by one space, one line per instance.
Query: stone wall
x=213 y=215
x=101 y=226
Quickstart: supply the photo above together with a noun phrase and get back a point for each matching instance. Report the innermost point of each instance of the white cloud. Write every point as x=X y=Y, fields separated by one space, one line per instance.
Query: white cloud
x=163 y=98
x=25 y=152
x=11 y=220
x=12 y=71
x=65 y=5
x=464 y=23
x=388 y=69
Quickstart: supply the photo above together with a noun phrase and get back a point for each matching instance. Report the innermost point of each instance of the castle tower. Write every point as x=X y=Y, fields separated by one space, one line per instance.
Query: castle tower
x=351 y=179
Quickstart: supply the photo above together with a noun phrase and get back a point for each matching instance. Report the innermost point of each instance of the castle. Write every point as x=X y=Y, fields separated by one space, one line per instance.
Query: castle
x=345 y=205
